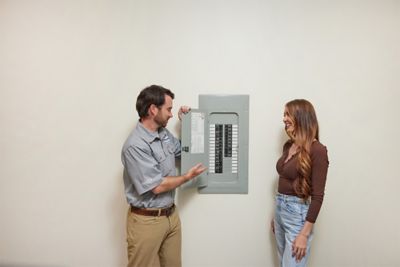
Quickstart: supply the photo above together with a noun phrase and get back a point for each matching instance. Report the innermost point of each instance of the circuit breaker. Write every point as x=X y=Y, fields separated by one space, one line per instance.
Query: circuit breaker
x=216 y=135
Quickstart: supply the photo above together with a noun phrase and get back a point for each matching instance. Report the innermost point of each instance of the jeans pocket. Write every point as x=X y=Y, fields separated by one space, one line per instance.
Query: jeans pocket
x=293 y=208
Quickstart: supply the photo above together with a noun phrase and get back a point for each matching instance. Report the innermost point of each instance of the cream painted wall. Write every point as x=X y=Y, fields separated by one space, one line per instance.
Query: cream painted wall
x=70 y=72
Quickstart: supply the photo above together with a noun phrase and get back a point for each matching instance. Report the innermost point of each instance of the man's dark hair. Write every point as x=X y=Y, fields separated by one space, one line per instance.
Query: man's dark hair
x=154 y=94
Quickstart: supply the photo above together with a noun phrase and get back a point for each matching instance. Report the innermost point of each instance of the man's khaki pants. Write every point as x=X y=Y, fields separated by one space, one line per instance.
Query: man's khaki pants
x=154 y=241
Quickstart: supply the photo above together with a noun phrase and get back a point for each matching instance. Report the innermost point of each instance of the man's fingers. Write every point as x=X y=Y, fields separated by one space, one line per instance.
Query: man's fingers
x=198 y=168
x=185 y=109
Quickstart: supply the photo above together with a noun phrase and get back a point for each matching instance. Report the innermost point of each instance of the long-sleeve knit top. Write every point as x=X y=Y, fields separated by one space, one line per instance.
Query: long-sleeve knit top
x=288 y=174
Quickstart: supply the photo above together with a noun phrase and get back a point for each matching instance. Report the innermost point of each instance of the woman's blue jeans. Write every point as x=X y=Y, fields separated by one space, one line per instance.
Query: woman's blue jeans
x=290 y=216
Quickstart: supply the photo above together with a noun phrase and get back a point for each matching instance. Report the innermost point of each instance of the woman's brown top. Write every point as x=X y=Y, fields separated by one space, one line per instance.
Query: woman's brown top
x=319 y=168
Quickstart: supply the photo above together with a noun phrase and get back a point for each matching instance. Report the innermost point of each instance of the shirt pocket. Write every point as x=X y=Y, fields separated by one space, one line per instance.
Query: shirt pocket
x=158 y=153
x=163 y=157
x=169 y=163
x=170 y=149
x=159 y=156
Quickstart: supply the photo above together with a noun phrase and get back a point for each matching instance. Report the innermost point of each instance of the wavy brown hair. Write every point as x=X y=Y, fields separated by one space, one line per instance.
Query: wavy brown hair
x=302 y=113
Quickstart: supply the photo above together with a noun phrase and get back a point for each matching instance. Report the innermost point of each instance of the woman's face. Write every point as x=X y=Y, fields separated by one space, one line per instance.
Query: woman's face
x=287 y=120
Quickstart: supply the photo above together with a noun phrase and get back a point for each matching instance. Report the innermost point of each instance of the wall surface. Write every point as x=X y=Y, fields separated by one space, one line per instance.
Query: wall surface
x=70 y=72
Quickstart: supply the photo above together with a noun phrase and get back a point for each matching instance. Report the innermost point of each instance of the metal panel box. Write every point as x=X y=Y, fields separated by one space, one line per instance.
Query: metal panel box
x=216 y=134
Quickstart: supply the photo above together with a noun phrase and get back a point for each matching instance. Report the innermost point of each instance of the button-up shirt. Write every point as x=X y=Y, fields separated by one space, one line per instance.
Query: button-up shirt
x=148 y=157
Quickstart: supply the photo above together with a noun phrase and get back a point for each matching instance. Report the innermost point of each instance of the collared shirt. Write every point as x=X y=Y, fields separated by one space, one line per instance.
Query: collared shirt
x=148 y=157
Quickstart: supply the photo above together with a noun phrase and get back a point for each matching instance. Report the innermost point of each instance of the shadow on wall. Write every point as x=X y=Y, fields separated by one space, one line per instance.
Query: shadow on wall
x=274 y=189
x=118 y=210
x=272 y=242
x=184 y=196
x=27 y=265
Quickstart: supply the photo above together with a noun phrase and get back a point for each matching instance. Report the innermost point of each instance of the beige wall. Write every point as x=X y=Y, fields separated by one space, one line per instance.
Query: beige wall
x=69 y=75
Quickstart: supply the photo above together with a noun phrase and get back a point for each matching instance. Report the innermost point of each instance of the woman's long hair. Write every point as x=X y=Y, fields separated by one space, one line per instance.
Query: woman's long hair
x=305 y=132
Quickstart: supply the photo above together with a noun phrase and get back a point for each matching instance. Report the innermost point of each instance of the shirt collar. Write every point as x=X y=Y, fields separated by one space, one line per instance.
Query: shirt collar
x=148 y=135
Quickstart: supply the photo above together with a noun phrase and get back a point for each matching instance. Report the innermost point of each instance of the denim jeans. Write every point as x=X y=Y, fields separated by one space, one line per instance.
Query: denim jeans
x=290 y=216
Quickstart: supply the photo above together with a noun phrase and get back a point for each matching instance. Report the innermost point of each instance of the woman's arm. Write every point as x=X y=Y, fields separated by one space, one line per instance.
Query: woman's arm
x=299 y=246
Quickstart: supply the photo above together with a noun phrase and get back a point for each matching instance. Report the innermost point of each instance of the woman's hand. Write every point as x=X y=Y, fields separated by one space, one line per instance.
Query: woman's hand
x=299 y=247
x=272 y=226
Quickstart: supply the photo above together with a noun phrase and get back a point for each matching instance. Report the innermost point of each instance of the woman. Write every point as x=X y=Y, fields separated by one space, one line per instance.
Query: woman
x=302 y=172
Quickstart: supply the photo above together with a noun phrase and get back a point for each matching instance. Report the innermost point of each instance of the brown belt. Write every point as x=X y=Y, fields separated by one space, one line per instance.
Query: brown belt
x=154 y=212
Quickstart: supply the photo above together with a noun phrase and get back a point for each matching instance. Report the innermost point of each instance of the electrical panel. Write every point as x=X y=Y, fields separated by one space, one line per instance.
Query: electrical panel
x=216 y=135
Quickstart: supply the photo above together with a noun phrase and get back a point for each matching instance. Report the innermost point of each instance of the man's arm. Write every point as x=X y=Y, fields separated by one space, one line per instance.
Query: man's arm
x=172 y=182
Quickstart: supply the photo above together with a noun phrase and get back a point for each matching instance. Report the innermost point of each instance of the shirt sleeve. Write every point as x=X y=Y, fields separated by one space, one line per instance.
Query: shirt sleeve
x=320 y=163
x=142 y=168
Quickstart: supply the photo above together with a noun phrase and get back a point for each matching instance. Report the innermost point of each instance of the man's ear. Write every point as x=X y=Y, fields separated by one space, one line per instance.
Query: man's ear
x=153 y=110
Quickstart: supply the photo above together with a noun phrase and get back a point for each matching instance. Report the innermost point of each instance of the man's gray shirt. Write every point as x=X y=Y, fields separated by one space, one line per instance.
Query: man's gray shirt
x=148 y=157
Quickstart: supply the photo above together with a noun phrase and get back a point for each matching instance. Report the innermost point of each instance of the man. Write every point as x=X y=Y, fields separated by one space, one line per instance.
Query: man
x=148 y=156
